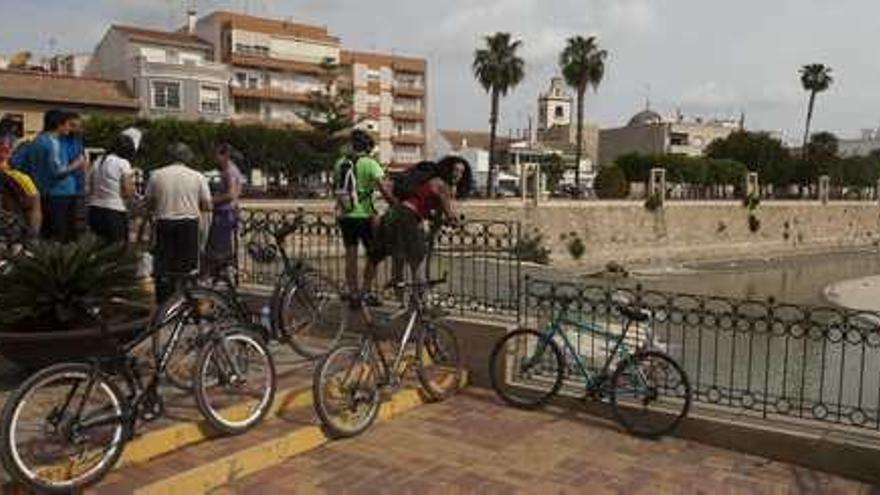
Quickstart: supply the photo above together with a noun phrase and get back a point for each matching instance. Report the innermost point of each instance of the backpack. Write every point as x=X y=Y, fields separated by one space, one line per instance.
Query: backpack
x=407 y=182
x=345 y=185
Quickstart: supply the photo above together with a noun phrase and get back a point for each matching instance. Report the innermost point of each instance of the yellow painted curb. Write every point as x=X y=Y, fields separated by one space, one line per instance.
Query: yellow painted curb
x=236 y=466
x=160 y=442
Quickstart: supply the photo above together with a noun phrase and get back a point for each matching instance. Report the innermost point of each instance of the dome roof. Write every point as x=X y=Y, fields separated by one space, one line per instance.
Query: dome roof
x=645 y=117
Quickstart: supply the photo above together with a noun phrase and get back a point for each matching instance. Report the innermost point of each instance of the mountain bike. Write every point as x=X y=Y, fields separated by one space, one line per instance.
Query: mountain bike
x=66 y=426
x=351 y=381
x=648 y=391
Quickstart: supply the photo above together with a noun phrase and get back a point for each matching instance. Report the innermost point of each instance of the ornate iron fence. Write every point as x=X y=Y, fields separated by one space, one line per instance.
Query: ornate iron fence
x=760 y=358
x=479 y=258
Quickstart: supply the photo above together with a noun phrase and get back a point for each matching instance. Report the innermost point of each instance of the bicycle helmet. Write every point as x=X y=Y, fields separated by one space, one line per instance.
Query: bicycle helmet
x=361 y=141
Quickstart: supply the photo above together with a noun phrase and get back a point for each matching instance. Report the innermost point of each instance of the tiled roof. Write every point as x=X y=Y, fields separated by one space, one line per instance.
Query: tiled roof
x=54 y=88
x=164 y=37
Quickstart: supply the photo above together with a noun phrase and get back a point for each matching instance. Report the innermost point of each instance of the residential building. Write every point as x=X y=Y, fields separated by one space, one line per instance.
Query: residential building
x=862 y=146
x=275 y=64
x=73 y=64
x=172 y=74
x=649 y=133
x=26 y=95
x=389 y=101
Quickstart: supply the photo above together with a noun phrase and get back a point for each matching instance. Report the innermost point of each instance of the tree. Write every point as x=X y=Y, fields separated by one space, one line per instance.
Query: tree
x=759 y=151
x=498 y=69
x=583 y=66
x=611 y=183
x=815 y=78
x=553 y=168
x=329 y=114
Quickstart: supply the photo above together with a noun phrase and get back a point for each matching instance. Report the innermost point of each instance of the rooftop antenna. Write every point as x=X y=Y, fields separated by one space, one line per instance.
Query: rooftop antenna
x=647 y=96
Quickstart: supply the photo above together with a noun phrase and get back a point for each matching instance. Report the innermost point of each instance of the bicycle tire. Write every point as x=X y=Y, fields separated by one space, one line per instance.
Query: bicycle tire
x=317 y=297
x=618 y=409
x=536 y=394
x=323 y=403
x=9 y=454
x=436 y=342
x=202 y=381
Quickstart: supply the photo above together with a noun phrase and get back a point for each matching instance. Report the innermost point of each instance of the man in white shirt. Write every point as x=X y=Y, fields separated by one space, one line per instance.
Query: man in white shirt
x=176 y=195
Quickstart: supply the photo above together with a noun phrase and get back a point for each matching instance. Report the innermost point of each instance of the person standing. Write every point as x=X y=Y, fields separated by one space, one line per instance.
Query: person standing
x=111 y=188
x=46 y=162
x=220 y=248
x=357 y=178
x=18 y=193
x=176 y=195
x=74 y=148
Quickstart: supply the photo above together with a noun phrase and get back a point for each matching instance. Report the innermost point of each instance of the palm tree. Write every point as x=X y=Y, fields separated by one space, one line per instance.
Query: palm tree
x=815 y=78
x=498 y=69
x=583 y=65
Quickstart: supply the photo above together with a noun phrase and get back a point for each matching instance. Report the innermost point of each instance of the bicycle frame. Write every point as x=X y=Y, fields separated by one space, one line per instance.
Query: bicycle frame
x=620 y=348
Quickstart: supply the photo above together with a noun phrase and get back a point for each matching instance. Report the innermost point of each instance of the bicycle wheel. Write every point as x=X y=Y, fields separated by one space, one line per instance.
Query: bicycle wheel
x=310 y=314
x=440 y=368
x=650 y=394
x=48 y=443
x=191 y=318
x=526 y=369
x=346 y=391
x=235 y=381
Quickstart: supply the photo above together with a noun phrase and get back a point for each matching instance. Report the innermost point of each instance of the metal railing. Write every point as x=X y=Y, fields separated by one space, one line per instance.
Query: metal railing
x=479 y=258
x=758 y=358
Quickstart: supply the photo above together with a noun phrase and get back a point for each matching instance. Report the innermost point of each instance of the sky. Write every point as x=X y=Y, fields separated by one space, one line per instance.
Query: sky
x=708 y=58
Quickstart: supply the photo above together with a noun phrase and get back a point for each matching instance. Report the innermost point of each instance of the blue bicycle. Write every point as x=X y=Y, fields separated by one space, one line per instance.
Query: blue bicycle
x=648 y=391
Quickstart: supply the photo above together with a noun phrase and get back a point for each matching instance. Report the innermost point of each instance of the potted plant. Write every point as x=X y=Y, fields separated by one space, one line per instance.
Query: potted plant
x=64 y=302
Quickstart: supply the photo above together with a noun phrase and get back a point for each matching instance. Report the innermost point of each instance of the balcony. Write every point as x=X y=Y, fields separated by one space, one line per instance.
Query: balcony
x=262 y=62
x=410 y=139
x=273 y=94
x=408 y=89
x=186 y=69
x=411 y=114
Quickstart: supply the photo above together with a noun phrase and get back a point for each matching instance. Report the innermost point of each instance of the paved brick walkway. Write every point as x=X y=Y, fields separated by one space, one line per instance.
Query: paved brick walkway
x=472 y=444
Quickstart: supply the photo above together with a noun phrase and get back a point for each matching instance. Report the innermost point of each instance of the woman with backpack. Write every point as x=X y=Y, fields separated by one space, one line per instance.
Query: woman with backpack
x=425 y=191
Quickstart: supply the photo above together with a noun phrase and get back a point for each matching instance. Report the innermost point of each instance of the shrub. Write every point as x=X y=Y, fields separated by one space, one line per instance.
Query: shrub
x=611 y=183
x=754 y=223
x=653 y=203
x=530 y=247
x=576 y=248
x=50 y=288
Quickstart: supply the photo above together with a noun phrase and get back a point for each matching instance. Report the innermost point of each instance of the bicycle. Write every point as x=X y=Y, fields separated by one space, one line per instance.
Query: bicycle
x=649 y=392
x=299 y=308
x=66 y=426
x=349 y=382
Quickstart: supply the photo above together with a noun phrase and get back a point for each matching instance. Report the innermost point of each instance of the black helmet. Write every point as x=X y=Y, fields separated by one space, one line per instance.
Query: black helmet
x=361 y=141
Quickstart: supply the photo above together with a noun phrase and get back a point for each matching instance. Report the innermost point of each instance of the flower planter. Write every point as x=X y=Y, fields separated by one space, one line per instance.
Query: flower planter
x=35 y=350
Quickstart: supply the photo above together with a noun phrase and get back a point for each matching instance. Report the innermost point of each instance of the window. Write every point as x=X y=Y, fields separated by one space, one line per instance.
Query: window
x=172 y=56
x=373 y=75
x=247 y=106
x=373 y=99
x=241 y=79
x=560 y=112
x=166 y=95
x=678 y=139
x=210 y=99
x=258 y=50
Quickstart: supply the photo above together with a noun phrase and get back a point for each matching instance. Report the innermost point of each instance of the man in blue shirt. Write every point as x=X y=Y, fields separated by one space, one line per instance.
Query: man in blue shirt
x=74 y=148
x=48 y=165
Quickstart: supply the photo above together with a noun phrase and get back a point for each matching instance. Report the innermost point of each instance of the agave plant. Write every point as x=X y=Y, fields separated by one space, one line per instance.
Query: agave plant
x=50 y=287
